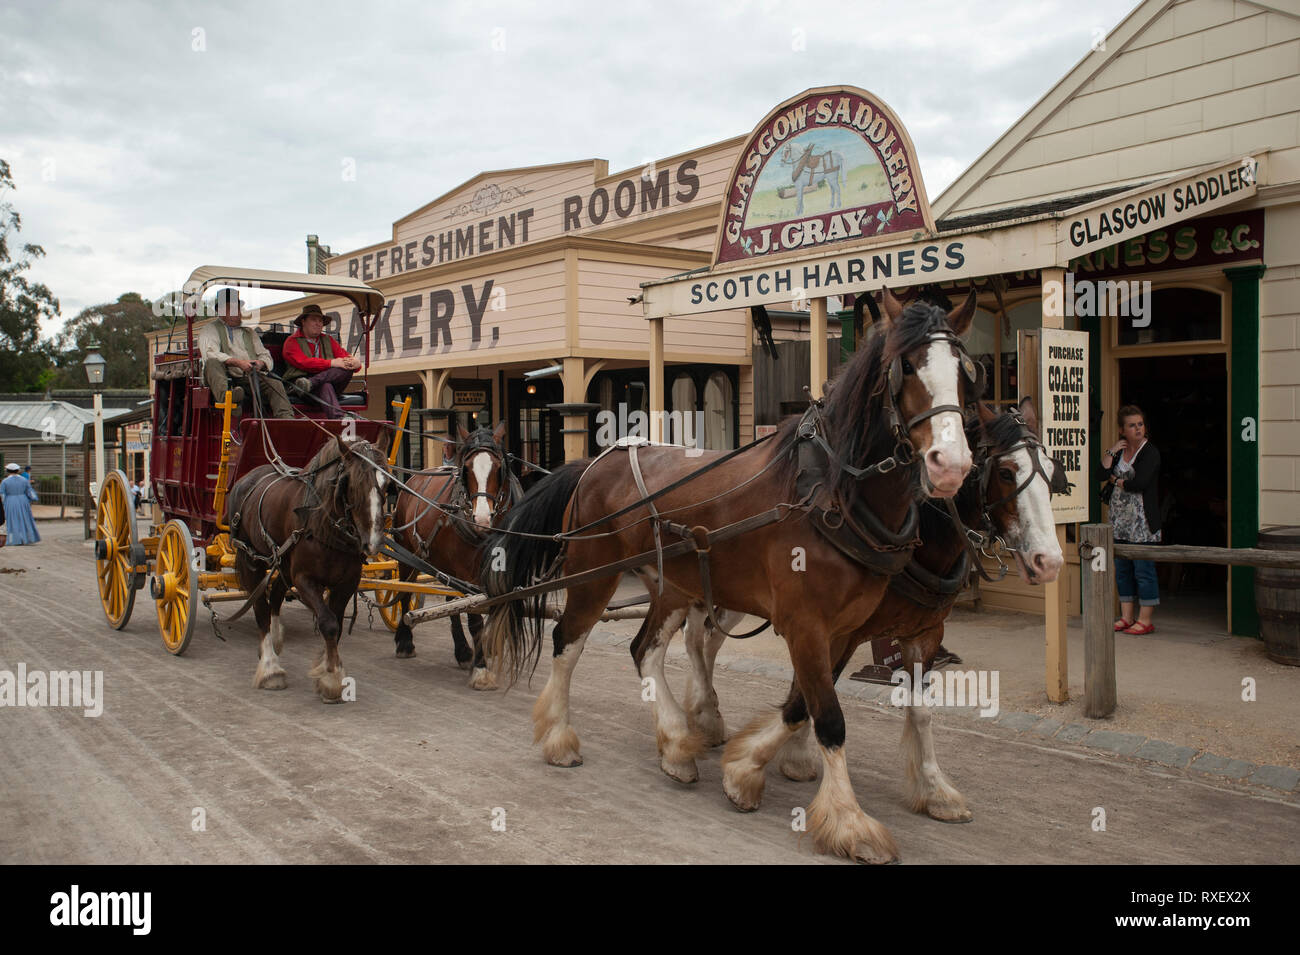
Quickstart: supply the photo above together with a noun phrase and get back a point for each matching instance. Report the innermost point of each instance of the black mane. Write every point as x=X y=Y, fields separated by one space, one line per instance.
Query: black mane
x=1005 y=430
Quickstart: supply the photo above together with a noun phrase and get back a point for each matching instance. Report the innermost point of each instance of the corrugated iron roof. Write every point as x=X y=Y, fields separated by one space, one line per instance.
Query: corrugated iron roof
x=9 y=432
x=65 y=420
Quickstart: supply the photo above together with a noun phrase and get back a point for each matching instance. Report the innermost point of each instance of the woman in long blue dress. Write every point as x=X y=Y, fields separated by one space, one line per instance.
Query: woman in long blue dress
x=18 y=496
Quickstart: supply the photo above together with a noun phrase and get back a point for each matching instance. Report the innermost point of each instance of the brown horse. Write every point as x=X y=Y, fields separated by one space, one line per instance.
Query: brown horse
x=1005 y=501
x=442 y=516
x=311 y=530
x=843 y=481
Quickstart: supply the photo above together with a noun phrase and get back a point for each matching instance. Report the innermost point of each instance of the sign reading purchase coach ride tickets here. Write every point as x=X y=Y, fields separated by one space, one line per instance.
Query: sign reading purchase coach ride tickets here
x=1063 y=413
x=829 y=165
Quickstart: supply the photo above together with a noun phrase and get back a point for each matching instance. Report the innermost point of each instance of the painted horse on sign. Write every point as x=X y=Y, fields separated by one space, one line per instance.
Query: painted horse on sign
x=802 y=529
x=811 y=170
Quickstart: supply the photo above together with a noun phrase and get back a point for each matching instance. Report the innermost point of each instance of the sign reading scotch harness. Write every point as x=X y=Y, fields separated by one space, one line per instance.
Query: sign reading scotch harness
x=1063 y=412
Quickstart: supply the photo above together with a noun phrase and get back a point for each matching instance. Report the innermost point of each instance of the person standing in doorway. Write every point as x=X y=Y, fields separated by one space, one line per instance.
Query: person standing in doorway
x=18 y=496
x=1133 y=464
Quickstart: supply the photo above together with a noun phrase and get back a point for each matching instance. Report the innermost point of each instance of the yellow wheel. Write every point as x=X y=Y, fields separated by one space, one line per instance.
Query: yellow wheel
x=176 y=585
x=119 y=556
x=390 y=607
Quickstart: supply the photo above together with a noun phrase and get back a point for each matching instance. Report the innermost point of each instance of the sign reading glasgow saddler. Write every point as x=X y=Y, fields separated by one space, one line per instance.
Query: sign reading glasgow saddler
x=1138 y=213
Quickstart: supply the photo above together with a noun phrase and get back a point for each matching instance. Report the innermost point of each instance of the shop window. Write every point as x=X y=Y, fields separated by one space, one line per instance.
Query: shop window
x=1175 y=315
x=681 y=423
x=718 y=426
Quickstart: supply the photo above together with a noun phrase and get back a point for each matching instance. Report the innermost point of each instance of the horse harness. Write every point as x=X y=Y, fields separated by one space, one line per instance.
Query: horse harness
x=459 y=499
x=339 y=530
x=928 y=589
x=855 y=531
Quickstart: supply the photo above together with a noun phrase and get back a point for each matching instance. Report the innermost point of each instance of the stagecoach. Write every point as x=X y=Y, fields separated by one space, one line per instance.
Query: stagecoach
x=201 y=446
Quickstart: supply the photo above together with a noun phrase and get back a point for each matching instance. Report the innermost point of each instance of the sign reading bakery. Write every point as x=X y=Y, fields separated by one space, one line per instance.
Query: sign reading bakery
x=830 y=165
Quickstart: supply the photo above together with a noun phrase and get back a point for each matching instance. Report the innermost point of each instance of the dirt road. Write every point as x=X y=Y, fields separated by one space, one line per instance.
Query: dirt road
x=420 y=767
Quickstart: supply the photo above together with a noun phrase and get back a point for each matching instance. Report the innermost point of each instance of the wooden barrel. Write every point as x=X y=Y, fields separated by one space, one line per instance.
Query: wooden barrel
x=1277 y=598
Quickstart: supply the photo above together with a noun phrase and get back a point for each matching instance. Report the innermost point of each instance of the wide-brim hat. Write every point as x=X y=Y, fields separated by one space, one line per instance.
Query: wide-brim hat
x=12 y=467
x=311 y=310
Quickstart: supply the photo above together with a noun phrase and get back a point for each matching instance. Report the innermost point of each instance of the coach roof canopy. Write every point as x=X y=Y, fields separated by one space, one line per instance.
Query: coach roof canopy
x=367 y=300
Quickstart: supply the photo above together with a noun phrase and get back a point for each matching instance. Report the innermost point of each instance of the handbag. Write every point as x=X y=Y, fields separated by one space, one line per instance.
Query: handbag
x=1107 y=490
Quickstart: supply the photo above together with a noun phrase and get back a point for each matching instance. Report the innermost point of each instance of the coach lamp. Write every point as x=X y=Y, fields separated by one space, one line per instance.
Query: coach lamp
x=94 y=364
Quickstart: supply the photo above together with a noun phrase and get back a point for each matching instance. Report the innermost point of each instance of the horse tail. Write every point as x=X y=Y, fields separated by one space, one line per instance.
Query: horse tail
x=512 y=635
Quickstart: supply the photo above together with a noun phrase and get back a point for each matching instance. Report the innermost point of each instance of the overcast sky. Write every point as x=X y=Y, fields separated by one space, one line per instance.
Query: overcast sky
x=149 y=138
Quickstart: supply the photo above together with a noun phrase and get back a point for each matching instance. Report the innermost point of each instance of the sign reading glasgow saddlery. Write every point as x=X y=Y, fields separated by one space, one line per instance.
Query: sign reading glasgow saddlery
x=829 y=165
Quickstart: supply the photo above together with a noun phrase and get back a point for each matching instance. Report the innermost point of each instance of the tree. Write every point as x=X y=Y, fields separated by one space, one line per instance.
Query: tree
x=25 y=359
x=119 y=329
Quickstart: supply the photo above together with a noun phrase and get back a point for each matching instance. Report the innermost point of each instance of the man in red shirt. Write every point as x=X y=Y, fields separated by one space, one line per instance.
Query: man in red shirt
x=317 y=364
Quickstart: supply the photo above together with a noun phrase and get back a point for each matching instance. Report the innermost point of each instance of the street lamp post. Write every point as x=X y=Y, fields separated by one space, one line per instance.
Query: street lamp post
x=94 y=364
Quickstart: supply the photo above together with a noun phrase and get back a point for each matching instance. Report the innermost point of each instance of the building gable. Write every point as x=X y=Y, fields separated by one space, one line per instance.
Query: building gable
x=1178 y=85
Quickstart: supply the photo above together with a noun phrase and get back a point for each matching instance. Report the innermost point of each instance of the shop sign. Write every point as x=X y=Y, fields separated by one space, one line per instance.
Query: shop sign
x=1146 y=210
x=830 y=165
x=1063 y=414
x=793 y=284
x=473 y=397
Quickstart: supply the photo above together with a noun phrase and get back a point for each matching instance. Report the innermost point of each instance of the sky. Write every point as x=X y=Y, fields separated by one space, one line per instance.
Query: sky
x=146 y=139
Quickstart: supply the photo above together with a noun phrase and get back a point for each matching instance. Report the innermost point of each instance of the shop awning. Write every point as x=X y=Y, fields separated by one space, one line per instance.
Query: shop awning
x=1048 y=239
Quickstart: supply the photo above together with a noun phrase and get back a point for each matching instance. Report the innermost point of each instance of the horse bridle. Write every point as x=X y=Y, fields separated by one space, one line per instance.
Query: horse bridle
x=486 y=445
x=986 y=541
x=904 y=450
x=900 y=366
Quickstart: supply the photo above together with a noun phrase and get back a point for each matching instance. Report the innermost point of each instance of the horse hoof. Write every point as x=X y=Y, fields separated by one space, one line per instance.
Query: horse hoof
x=482 y=679
x=570 y=761
x=405 y=653
x=865 y=853
x=273 y=681
x=744 y=797
x=797 y=775
x=949 y=813
x=686 y=772
x=326 y=699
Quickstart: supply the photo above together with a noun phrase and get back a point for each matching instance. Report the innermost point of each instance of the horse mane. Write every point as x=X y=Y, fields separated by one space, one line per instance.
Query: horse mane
x=856 y=424
x=321 y=475
x=1004 y=430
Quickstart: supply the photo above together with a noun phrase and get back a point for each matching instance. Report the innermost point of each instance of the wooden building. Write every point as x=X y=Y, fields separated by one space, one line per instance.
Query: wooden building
x=522 y=270
x=1163 y=171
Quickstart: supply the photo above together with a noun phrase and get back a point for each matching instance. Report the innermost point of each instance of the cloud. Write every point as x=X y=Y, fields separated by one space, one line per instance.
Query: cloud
x=182 y=134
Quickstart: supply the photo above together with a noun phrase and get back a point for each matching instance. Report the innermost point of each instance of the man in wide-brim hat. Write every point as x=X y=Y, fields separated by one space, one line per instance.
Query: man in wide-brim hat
x=317 y=364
